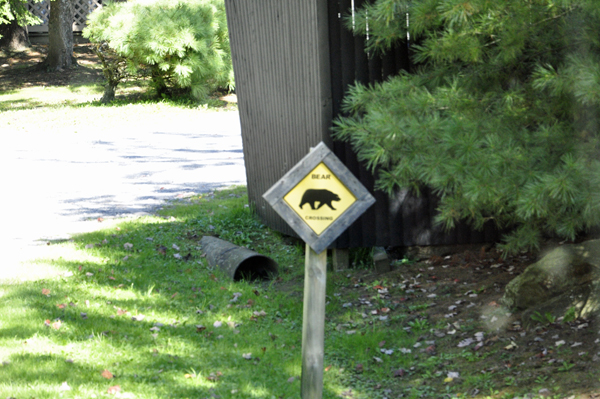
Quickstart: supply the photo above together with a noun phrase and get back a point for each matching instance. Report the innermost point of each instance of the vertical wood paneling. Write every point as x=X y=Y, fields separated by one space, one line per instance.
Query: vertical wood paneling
x=284 y=110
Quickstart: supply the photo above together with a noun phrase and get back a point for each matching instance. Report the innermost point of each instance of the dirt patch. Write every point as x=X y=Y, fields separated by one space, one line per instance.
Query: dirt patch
x=19 y=69
x=466 y=340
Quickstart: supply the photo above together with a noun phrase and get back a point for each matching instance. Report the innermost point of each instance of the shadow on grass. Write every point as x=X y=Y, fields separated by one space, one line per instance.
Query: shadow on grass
x=164 y=327
x=18 y=104
x=20 y=77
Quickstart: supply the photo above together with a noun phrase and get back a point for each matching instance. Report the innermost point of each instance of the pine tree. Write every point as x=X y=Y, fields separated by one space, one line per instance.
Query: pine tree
x=500 y=116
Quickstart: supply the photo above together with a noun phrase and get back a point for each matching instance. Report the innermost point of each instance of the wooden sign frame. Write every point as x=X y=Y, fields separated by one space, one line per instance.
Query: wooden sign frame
x=321 y=153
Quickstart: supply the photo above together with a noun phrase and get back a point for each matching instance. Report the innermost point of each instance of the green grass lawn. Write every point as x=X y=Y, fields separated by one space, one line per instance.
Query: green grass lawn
x=171 y=327
x=138 y=313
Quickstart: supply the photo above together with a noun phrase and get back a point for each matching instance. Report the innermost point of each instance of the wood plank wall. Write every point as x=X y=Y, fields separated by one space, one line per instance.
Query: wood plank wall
x=282 y=78
x=293 y=62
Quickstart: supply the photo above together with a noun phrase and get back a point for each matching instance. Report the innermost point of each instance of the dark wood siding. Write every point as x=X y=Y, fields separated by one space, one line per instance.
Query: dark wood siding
x=294 y=61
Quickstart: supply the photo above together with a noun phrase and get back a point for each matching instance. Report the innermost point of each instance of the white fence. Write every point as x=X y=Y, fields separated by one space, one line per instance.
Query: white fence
x=81 y=9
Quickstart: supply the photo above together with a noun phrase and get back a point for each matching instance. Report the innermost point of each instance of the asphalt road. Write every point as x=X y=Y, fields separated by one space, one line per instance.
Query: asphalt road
x=54 y=185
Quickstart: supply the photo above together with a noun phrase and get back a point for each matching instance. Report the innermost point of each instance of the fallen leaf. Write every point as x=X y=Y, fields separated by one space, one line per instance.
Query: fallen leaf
x=217 y=324
x=328 y=368
x=114 y=389
x=511 y=346
x=378 y=359
x=247 y=356
x=465 y=342
x=56 y=325
x=291 y=379
x=188 y=376
x=107 y=374
x=128 y=245
x=100 y=220
x=359 y=368
x=453 y=374
x=214 y=376
x=45 y=291
x=61 y=305
x=399 y=373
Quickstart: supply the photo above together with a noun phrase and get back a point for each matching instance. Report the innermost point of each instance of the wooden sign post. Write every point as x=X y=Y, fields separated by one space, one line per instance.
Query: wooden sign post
x=319 y=198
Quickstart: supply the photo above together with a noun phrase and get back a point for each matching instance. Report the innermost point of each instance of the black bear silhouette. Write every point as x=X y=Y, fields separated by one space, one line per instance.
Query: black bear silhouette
x=323 y=197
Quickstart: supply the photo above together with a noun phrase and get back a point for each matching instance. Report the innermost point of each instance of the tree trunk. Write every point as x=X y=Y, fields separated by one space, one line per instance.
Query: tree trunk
x=109 y=93
x=13 y=36
x=60 y=36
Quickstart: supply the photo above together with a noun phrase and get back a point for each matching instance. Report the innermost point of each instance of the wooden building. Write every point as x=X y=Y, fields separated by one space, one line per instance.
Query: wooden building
x=293 y=61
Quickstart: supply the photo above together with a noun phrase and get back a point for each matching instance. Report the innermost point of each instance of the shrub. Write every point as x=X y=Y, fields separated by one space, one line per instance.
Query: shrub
x=499 y=115
x=182 y=45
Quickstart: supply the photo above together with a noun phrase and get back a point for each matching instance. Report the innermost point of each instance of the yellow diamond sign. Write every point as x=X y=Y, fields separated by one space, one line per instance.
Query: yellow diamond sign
x=320 y=198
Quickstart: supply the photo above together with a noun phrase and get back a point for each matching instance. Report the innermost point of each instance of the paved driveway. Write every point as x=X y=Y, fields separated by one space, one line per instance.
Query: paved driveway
x=60 y=183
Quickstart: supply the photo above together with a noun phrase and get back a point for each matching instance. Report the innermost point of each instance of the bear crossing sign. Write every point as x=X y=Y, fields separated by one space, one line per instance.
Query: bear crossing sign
x=319 y=198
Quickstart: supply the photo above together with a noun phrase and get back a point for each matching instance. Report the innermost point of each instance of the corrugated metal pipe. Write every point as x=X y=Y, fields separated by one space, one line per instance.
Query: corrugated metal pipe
x=238 y=262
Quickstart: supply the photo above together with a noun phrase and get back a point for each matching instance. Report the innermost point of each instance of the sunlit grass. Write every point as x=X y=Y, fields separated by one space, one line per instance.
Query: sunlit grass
x=172 y=328
x=35 y=97
x=149 y=318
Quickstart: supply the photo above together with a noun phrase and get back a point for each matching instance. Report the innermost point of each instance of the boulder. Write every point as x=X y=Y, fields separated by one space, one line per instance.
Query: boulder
x=567 y=277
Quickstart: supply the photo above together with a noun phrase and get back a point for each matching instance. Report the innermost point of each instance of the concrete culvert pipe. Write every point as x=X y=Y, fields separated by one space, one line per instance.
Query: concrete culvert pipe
x=239 y=263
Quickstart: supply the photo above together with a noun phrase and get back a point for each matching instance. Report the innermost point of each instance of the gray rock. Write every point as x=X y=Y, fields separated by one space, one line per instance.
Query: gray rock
x=566 y=277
